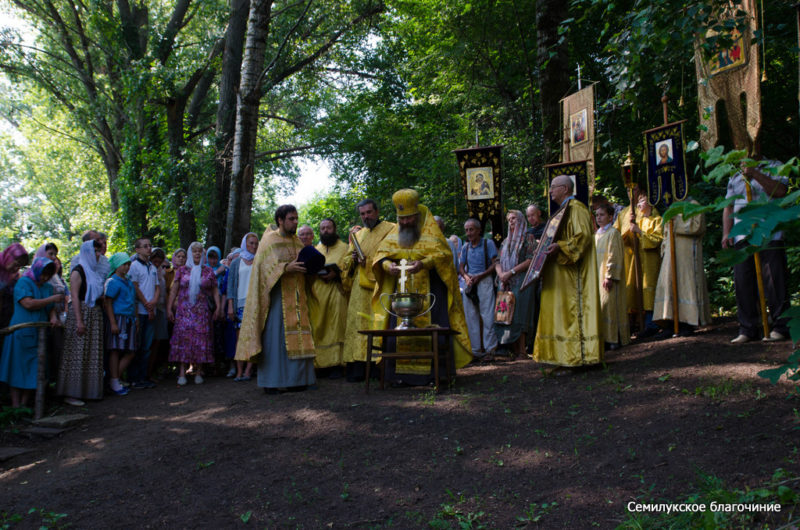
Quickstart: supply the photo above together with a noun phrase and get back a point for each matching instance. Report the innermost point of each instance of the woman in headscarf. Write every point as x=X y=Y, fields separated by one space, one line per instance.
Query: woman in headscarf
x=229 y=324
x=515 y=256
x=80 y=374
x=178 y=261
x=12 y=259
x=59 y=286
x=159 y=349
x=33 y=302
x=215 y=261
x=239 y=279
x=193 y=291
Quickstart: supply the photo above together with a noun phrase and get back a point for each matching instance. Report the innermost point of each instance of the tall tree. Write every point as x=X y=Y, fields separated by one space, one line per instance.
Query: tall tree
x=230 y=76
x=128 y=80
x=294 y=39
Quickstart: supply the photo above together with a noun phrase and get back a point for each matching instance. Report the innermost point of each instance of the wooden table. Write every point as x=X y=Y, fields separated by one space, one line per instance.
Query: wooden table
x=433 y=332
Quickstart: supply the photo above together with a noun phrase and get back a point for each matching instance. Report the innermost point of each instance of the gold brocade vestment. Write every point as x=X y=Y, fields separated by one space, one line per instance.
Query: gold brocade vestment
x=569 y=323
x=649 y=254
x=359 y=282
x=693 y=306
x=275 y=252
x=610 y=265
x=434 y=252
x=327 y=307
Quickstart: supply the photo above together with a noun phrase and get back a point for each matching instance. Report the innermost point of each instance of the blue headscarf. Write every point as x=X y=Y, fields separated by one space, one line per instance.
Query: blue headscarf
x=219 y=256
x=35 y=272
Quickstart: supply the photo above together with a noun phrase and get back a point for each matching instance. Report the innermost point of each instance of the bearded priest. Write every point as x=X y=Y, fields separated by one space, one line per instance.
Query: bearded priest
x=418 y=239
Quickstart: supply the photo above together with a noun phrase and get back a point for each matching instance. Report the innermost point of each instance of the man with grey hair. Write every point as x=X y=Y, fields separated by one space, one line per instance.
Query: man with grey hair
x=306 y=235
x=569 y=331
x=476 y=267
x=536 y=221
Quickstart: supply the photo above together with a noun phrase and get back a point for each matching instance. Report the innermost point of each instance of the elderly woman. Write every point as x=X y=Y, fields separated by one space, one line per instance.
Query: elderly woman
x=33 y=302
x=80 y=374
x=515 y=256
x=237 y=294
x=193 y=290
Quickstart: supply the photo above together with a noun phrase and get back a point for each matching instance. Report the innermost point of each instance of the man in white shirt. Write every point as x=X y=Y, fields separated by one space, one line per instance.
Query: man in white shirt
x=773 y=260
x=144 y=276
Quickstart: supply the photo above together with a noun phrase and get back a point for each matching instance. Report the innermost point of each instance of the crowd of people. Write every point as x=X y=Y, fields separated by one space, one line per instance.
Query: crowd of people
x=290 y=311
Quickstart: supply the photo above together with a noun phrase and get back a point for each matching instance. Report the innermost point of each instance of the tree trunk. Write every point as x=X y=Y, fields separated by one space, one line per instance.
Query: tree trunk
x=187 y=226
x=240 y=198
x=226 y=118
x=553 y=72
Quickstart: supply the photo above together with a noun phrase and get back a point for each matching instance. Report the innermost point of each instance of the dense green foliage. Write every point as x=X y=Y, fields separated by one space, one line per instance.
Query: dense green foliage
x=385 y=109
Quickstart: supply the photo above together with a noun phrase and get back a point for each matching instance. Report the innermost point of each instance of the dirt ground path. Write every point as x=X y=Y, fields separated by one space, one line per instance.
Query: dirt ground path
x=224 y=454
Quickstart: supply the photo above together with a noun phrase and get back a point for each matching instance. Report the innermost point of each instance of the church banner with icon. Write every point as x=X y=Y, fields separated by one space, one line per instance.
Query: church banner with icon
x=666 y=168
x=577 y=111
x=578 y=172
x=728 y=72
x=481 y=172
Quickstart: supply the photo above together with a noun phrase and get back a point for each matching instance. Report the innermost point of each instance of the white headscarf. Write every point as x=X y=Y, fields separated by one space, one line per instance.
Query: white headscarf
x=509 y=251
x=87 y=258
x=197 y=270
x=244 y=254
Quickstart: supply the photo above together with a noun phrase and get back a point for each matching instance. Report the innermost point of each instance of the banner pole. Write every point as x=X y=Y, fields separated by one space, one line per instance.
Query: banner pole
x=759 y=273
x=672 y=260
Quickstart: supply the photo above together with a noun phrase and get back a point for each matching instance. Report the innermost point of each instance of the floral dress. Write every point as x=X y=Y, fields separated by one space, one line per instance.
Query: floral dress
x=192 y=337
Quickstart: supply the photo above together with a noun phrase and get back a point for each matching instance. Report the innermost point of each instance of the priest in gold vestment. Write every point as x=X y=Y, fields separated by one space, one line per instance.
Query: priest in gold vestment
x=610 y=262
x=418 y=239
x=276 y=331
x=693 y=306
x=646 y=226
x=569 y=324
x=358 y=282
x=327 y=303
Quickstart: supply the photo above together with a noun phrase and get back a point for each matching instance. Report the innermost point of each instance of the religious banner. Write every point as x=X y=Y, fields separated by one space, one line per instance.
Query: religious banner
x=577 y=117
x=578 y=172
x=481 y=172
x=666 y=168
x=727 y=68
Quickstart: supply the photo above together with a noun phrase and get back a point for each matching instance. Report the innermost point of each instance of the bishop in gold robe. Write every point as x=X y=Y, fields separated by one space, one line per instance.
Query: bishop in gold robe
x=418 y=239
x=693 y=306
x=276 y=331
x=327 y=303
x=358 y=282
x=569 y=331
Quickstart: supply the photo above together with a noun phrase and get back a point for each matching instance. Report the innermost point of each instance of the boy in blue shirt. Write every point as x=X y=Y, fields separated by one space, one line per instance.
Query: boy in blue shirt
x=120 y=306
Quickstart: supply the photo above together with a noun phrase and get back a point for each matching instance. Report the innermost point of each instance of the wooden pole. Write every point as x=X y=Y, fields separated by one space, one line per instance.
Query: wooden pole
x=674 y=273
x=41 y=354
x=41 y=375
x=637 y=270
x=759 y=274
x=672 y=260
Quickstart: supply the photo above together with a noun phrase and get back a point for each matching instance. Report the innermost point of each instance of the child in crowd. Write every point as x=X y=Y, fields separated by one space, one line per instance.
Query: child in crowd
x=120 y=306
x=610 y=267
x=160 y=331
x=215 y=261
x=145 y=282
